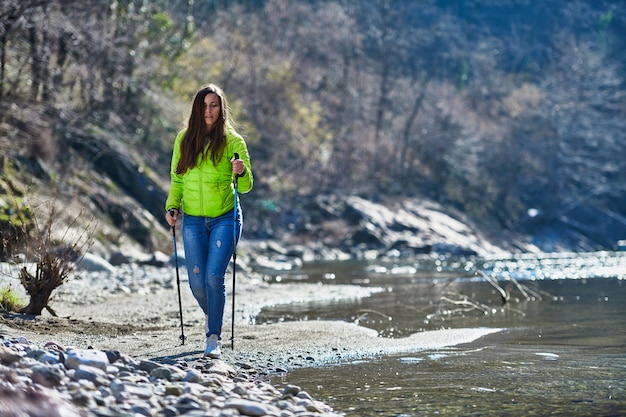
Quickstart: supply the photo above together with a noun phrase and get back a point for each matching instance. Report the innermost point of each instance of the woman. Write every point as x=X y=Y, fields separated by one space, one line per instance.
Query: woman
x=203 y=165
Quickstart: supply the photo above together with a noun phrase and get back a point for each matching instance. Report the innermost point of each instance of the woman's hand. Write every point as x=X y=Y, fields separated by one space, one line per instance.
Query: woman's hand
x=171 y=217
x=238 y=167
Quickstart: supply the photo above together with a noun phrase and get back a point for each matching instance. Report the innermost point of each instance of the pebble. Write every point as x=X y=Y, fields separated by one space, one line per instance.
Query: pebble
x=58 y=381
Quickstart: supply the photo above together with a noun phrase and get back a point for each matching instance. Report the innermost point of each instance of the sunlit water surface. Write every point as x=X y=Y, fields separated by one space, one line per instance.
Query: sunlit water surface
x=563 y=350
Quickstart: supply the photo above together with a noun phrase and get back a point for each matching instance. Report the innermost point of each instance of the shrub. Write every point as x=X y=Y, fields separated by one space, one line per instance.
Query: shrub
x=54 y=258
x=9 y=301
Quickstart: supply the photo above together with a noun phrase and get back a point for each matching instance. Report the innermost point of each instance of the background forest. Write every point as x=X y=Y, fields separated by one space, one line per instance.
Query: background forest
x=512 y=112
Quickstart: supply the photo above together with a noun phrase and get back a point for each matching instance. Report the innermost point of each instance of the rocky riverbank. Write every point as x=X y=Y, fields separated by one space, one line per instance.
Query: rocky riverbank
x=114 y=348
x=52 y=380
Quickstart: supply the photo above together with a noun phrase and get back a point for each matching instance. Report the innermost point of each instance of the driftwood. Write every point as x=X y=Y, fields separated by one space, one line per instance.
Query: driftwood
x=464 y=304
x=363 y=314
x=504 y=294
x=527 y=292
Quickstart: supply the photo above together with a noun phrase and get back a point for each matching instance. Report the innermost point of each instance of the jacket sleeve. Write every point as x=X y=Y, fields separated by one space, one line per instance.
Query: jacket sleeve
x=175 y=194
x=246 y=181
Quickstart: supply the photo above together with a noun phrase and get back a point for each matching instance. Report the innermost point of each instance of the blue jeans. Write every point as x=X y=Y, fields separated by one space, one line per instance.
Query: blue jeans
x=209 y=243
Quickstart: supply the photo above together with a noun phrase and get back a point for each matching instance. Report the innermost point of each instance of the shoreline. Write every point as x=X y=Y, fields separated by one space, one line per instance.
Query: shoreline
x=134 y=314
x=272 y=347
x=56 y=380
x=136 y=311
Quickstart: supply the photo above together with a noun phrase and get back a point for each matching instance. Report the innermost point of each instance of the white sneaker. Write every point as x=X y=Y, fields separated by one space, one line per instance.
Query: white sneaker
x=212 y=347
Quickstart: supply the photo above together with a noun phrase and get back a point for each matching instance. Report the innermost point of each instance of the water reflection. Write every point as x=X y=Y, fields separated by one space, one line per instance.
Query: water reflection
x=563 y=354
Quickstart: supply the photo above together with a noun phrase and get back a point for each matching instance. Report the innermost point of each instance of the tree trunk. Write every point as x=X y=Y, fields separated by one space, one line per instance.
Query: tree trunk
x=50 y=274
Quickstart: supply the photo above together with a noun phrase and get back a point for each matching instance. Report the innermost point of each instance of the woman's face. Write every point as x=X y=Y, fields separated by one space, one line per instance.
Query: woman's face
x=212 y=110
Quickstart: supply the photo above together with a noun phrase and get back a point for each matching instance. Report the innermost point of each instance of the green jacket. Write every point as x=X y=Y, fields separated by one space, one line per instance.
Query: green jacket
x=206 y=190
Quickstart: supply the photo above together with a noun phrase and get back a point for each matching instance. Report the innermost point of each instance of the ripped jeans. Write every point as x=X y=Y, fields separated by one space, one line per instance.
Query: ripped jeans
x=209 y=243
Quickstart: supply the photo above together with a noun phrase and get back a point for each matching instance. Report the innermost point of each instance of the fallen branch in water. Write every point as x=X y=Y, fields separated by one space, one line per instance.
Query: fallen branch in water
x=504 y=295
x=364 y=313
x=528 y=293
x=474 y=305
x=465 y=304
x=470 y=305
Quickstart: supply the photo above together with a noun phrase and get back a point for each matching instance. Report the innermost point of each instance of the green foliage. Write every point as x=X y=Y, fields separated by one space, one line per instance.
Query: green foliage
x=243 y=124
x=15 y=213
x=158 y=24
x=16 y=219
x=352 y=96
x=193 y=69
x=9 y=301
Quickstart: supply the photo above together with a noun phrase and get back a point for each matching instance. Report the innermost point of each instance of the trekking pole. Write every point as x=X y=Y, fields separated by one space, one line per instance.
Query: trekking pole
x=180 y=302
x=235 y=186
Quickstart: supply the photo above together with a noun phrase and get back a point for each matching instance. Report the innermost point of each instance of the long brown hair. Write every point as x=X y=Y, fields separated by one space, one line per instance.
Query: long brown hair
x=196 y=137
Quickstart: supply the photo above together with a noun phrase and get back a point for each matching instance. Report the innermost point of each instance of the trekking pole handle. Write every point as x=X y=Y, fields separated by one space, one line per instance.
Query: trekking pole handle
x=173 y=211
x=236 y=156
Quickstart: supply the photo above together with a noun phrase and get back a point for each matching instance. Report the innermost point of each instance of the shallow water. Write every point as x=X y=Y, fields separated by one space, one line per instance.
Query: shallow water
x=563 y=351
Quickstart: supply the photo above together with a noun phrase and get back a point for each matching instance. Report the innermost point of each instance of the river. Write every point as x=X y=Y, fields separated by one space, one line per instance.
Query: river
x=562 y=350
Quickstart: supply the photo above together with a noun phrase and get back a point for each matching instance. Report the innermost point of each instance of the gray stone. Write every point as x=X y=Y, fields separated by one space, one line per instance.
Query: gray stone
x=149 y=388
x=9 y=356
x=87 y=372
x=148 y=366
x=43 y=355
x=91 y=262
x=169 y=373
x=290 y=389
x=247 y=407
x=47 y=375
x=194 y=375
x=90 y=357
x=142 y=410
